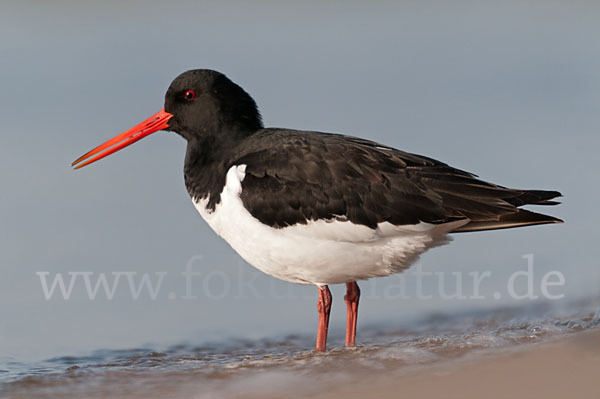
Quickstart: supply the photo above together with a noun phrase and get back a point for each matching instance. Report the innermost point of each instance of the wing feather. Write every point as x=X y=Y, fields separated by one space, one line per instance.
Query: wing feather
x=307 y=176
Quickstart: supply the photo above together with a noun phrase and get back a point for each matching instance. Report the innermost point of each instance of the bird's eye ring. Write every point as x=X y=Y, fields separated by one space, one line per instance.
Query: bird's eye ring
x=190 y=95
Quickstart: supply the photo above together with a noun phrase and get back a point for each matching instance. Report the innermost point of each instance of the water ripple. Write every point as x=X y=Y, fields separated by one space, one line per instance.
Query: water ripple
x=244 y=365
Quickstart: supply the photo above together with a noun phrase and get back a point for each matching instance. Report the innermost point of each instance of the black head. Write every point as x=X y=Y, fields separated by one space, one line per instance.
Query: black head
x=206 y=103
x=203 y=106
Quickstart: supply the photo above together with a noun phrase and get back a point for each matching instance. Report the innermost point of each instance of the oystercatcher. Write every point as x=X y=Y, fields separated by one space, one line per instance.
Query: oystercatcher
x=318 y=208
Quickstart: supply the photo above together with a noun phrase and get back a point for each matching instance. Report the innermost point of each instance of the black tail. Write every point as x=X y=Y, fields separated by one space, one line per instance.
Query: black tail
x=519 y=218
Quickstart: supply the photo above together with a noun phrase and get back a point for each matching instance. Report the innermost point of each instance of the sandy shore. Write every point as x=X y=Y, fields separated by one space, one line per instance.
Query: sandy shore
x=508 y=358
x=569 y=367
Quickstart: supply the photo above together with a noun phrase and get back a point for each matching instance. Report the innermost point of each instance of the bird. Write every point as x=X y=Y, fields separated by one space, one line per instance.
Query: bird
x=318 y=208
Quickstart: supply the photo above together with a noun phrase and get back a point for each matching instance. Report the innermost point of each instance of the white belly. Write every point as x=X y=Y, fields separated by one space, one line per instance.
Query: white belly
x=320 y=252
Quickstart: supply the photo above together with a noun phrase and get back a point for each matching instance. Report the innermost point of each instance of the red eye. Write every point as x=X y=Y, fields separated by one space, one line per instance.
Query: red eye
x=190 y=95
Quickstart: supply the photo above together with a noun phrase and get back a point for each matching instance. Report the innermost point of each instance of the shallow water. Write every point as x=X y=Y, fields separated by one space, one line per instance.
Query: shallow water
x=276 y=367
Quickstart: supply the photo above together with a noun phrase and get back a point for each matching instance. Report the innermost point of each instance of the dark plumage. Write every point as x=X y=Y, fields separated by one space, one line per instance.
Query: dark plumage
x=308 y=175
x=295 y=176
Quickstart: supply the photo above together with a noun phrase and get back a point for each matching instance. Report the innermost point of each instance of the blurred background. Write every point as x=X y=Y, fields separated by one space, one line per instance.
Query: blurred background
x=509 y=90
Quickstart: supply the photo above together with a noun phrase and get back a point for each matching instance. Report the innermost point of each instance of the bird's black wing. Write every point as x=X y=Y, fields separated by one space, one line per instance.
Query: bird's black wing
x=303 y=176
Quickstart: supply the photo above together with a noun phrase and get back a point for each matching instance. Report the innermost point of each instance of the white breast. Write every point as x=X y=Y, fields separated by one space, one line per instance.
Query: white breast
x=319 y=252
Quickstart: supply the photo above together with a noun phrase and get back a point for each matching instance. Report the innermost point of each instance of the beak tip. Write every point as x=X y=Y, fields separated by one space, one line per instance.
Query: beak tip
x=153 y=124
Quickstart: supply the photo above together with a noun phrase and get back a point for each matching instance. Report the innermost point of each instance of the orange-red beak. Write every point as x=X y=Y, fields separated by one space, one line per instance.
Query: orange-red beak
x=153 y=124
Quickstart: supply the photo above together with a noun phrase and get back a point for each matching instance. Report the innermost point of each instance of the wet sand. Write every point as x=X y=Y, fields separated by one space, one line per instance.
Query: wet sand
x=507 y=353
x=565 y=367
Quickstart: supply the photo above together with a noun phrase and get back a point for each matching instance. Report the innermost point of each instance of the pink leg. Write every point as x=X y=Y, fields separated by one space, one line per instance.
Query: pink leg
x=324 y=307
x=351 y=298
